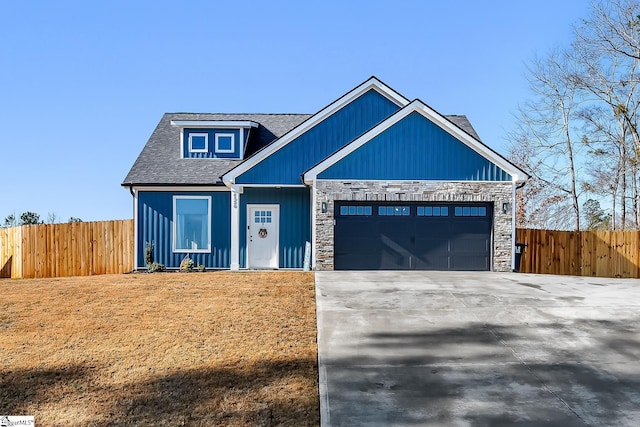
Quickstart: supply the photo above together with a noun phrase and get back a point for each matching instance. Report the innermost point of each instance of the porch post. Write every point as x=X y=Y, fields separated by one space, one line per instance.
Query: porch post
x=314 y=242
x=236 y=190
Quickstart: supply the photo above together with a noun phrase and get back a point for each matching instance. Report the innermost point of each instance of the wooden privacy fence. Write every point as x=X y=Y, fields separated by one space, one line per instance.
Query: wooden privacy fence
x=106 y=247
x=580 y=253
x=74 y=249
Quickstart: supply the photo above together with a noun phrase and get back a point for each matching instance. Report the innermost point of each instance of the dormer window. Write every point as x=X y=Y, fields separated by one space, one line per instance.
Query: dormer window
x=213 y=139
x=225 y=142
x=199 y=142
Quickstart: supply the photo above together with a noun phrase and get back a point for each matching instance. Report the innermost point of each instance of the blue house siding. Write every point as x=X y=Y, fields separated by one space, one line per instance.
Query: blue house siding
x=155 y=223
x=295 y=222
x=211 y=152
x=287 y=164
x=415 y=148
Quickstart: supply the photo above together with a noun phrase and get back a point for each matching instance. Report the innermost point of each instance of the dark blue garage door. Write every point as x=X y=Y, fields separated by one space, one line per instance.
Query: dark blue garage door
x=412 y=236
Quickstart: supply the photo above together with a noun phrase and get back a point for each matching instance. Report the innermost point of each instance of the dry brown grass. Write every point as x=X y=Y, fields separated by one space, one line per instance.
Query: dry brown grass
x=160 y=349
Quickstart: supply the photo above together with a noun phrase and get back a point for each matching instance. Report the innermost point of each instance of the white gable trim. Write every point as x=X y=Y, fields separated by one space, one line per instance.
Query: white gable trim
x=418 y=106
x=216 y=124
x=372 y=83
x=179 y=188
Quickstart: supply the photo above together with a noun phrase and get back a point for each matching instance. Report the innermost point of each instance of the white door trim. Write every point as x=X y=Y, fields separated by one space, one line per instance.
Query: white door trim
x=276 y=210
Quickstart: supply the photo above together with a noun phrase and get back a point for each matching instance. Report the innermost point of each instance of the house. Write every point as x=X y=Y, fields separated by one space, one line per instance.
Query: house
x=372 y=181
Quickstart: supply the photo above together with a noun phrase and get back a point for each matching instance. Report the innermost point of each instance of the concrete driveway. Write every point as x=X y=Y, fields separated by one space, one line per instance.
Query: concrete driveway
x=477 y=349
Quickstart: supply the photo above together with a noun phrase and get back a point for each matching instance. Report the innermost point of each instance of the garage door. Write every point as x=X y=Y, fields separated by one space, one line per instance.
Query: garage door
x=412 y=236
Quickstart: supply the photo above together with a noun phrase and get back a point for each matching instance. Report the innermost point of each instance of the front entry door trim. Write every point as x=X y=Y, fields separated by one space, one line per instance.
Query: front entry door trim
x=263 y=236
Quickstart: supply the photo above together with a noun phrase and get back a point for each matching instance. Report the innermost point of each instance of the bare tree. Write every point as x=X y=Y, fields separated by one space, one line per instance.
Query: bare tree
x=607 y=57
x=52 y=218
x=546 y=132
x=581 y=125
x=614 y=26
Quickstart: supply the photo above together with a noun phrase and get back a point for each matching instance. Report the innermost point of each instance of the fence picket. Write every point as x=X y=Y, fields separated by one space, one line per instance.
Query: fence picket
x=580 y=253
x=59 y=250
x=106 y=247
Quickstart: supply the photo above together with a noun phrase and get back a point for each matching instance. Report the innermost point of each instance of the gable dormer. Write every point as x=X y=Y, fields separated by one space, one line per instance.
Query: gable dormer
x=213 y=139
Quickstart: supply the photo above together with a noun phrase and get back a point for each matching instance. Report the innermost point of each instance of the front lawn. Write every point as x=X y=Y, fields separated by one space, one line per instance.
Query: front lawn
x=213 y=348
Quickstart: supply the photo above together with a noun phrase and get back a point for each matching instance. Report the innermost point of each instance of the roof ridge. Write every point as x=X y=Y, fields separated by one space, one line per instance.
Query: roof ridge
x=245 y=114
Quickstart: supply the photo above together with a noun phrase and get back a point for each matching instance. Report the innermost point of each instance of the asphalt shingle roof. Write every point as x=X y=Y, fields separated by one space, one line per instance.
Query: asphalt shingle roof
x=159 y=163
x=463 y=123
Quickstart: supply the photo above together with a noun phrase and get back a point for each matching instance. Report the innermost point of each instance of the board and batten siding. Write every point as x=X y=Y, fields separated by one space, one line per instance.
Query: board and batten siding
x=155 y=224
x=295 y=222
x=415 y=149
x=285 y=165
x=211 y=136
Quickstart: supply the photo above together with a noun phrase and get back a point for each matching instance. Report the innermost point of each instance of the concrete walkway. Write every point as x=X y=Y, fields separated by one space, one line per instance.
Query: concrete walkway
x=477 y=349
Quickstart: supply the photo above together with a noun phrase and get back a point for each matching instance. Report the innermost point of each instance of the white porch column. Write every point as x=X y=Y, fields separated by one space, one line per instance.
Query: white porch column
x=313 y=225
x=236 y=190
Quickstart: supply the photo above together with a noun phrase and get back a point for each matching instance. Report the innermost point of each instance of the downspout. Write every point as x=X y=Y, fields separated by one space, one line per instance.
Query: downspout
x=134 y=194
x=516 y=187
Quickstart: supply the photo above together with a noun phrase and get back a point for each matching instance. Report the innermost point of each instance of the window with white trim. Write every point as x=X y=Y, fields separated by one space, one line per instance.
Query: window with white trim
x=192 y=224
x=262 y=217
x=225 y=142
x=198 y=142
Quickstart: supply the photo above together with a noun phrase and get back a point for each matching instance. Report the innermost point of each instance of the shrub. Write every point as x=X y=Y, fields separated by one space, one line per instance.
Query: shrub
x=155 y=267
x=186 y=264
x=152 y=266
x=148 y=253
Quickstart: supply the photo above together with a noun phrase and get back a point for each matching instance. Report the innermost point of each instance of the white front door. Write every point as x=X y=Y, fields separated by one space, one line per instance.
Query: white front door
x=263 y=228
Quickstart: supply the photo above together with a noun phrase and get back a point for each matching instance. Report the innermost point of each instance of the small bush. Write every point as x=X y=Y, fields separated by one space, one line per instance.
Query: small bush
x=201 y=268
x=186 y=264
x=148 y=253
x=152 y=266
x=155 y=267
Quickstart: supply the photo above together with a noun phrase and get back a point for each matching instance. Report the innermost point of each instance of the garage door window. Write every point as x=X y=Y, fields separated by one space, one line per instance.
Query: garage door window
x=394 y=210
x=356 y=210
x=471 y=211
x=433 y=211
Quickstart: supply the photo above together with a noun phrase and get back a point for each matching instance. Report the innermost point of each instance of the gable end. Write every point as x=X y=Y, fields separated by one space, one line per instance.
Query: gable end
x=366 y=105
x=415 y=149
x=416 y=143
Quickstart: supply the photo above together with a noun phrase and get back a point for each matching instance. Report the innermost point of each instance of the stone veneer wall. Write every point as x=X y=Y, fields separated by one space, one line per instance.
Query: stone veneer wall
x=414 y=191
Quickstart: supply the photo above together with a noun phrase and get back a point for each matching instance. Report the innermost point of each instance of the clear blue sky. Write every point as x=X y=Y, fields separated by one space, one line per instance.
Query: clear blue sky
x=83 y=83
